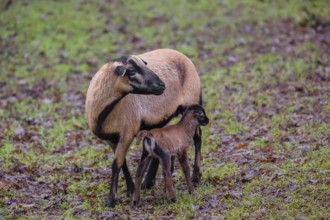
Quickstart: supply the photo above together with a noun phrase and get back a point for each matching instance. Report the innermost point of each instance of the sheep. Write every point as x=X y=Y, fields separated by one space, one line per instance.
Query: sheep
x=128 y=94
x=166 y=143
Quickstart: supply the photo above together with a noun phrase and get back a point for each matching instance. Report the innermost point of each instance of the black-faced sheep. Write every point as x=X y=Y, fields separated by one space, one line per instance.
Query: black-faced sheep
x=116 y=110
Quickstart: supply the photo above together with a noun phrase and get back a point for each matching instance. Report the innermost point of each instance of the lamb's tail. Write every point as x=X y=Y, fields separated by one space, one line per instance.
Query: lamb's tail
x=141 y=135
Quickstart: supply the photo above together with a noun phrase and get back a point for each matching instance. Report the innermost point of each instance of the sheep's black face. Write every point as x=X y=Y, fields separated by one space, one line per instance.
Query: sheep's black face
x=142 y=79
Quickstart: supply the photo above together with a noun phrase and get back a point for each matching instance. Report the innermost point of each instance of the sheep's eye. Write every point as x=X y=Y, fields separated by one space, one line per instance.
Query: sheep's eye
x=131 y=72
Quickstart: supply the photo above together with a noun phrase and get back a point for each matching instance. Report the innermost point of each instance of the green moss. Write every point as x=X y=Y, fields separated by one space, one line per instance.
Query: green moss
x=221 y=172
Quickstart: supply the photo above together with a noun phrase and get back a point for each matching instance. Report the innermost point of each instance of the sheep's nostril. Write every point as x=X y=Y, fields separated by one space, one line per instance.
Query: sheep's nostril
x=161 y=84
x=158 y=87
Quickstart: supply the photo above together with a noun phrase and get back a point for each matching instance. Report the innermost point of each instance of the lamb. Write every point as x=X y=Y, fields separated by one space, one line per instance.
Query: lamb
x=166 y=143
x=141 y=92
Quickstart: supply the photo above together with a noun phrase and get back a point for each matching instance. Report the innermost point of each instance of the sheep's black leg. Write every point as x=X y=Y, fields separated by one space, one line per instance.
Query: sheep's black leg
x=111 y=201
x=128 y=178
x=149 y=180
x=168 y=180
x=196 y=177
x=165 y=160
x=129 y=182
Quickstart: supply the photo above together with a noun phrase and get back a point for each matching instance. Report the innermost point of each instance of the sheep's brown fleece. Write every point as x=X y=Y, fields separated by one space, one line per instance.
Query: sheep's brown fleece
x=131 y=112
x=182 y=88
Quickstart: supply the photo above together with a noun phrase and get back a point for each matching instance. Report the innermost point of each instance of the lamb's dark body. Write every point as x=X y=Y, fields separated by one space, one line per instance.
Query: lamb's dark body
x=167 y=143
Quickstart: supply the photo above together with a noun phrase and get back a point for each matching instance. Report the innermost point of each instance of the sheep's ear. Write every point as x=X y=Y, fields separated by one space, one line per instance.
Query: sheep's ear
x=122 y=59
x=120 y=70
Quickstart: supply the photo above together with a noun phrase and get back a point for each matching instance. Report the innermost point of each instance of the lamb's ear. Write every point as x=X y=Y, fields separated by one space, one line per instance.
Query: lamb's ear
x=120 y=70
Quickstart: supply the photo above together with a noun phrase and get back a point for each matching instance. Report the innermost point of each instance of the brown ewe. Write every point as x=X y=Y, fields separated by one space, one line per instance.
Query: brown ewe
x=116 y=110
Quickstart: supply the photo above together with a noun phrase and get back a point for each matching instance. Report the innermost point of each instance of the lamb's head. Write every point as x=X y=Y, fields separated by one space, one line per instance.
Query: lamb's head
x=137 y=77
x=199 y=113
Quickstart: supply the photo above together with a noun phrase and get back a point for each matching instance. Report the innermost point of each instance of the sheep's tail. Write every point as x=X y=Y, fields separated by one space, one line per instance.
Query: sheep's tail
x=141 y=135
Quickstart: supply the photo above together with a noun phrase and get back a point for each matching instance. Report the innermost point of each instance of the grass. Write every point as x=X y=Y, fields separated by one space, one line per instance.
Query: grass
x=264 y=70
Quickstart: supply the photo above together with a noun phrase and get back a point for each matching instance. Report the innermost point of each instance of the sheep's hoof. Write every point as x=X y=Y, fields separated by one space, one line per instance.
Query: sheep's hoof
x=173 y=199
x=148 y=184
x=129 y=192
x=196 y=179
x=110 y=202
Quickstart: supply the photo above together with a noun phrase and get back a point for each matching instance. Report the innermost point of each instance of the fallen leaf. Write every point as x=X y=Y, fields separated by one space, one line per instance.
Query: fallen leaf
x=242 y=145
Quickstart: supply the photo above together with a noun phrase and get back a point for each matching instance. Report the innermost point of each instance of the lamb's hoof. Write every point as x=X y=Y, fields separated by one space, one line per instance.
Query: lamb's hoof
x=173 y=199
x=110 y=202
